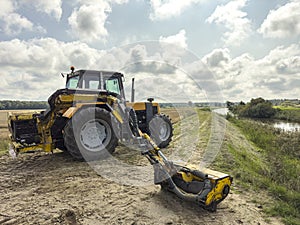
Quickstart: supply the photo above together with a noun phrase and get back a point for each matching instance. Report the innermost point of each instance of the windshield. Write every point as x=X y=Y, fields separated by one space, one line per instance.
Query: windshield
x=96 y=80
x=73 y=82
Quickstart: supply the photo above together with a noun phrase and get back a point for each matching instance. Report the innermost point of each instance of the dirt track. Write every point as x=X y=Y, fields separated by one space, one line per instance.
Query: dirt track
x=53 y=189
x=40 y=188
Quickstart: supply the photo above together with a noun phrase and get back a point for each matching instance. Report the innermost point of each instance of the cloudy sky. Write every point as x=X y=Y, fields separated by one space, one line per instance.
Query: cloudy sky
x=250 y=47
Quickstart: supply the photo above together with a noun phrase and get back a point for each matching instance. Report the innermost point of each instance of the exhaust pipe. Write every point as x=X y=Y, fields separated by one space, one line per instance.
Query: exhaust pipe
x=132 y=90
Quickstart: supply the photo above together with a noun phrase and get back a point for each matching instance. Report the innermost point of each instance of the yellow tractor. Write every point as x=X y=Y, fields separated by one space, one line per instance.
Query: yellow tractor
x=79 y=112
x=90 y=116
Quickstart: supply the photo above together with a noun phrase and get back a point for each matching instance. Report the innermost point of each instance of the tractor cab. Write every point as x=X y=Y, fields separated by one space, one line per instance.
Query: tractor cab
x=96 y=80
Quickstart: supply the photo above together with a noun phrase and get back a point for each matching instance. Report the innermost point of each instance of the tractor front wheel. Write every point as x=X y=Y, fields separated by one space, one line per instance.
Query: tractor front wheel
x=91 y=134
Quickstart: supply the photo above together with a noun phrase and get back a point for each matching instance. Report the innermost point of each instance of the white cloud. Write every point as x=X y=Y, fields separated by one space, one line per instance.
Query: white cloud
x=7 y=6
x=165 y=9
x=34 y=66
x=14 y=24
x=177 y=39
x=52 y=8
x=242 y=78
x=48 y=54
x=91 y=2
x=282 y=22
x=88 y=21
x=217 y=57
x=289 y=65
x=234 y=19
x=118 y=1
x=174 y=47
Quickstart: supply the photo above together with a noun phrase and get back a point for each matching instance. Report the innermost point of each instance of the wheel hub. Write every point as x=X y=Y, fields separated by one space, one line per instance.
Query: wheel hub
x=164 y=131
x=94 y=134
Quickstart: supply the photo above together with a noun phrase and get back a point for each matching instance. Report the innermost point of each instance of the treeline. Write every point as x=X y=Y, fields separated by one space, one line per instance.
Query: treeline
x=10 y=104
x=261 y=108
x=256 y=108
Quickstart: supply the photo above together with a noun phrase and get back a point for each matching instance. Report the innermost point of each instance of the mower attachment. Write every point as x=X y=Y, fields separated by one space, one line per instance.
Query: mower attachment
x=207 y=188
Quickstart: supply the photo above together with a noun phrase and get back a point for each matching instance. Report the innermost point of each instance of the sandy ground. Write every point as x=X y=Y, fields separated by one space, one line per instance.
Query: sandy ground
x=41 y=188
x=44 y=188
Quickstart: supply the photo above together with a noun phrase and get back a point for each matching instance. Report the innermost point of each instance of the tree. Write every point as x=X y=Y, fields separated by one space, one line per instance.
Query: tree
x=230 y=105
x=256 y=108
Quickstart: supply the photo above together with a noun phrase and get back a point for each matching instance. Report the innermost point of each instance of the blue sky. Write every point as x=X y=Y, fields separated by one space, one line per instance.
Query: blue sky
x=251 y=47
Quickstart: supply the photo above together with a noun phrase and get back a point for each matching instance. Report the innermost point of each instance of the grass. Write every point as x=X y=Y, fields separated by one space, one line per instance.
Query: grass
x=273 y=166
x=286 y=107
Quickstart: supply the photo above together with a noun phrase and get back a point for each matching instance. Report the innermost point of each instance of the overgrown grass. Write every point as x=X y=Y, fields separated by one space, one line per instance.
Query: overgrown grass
x=275 y=168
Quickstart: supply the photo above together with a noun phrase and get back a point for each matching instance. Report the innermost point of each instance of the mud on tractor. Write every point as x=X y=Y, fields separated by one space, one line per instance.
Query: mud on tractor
x=90 y=116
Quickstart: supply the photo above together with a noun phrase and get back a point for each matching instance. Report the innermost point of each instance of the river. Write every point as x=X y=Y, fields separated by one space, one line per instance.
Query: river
x=286 y=126
x=221 y=111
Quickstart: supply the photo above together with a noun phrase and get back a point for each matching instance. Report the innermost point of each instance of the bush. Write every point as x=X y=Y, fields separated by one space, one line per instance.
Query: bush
x=256 y=108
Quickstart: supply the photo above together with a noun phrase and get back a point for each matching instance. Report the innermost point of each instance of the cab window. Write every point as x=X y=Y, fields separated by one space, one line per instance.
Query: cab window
x=91 y=81
x=112 y=85
x=73 y=82
x=93 y=84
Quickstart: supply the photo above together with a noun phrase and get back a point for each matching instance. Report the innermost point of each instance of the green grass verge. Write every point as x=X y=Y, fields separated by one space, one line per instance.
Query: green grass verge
x=274 y=166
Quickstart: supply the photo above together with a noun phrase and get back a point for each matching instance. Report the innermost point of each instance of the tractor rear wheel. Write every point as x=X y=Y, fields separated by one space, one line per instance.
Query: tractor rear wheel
x=161 y=130
x=91 y=134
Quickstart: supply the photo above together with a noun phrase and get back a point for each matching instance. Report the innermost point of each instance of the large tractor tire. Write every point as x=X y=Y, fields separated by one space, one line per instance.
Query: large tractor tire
x=92 y=134
x=161 y=130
